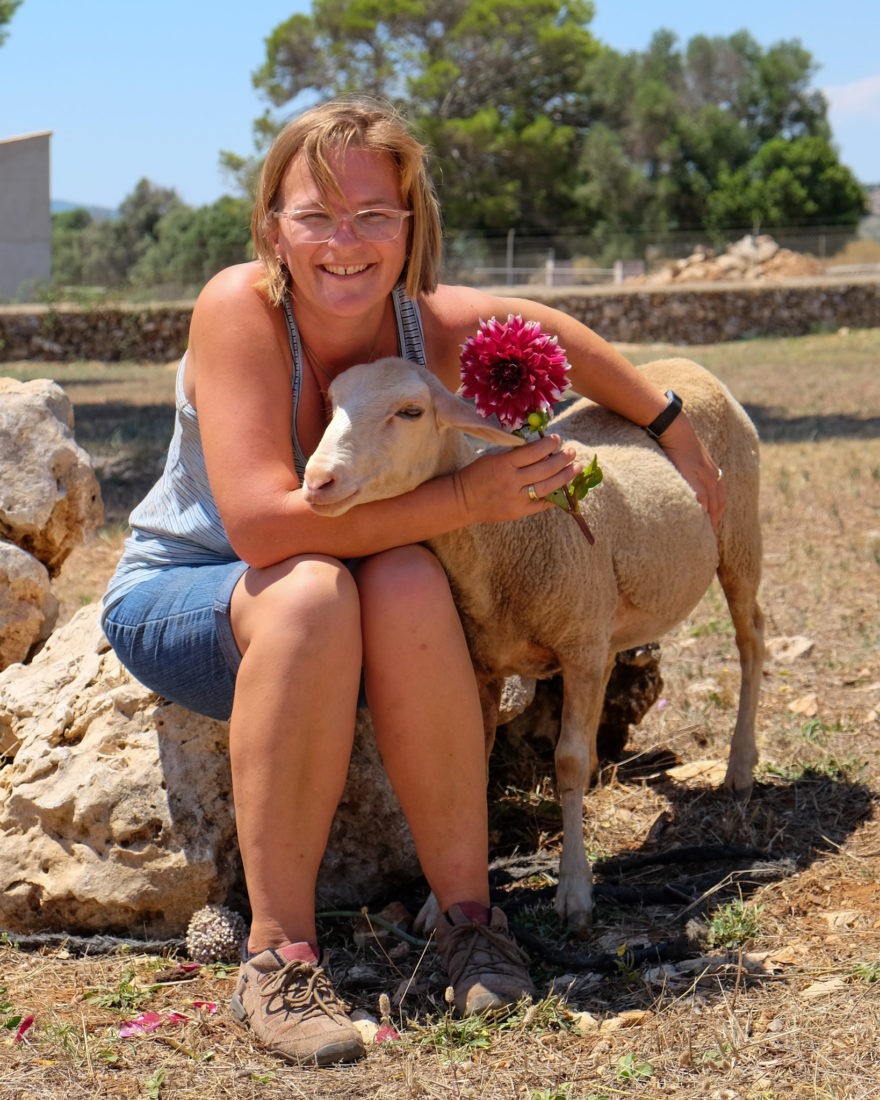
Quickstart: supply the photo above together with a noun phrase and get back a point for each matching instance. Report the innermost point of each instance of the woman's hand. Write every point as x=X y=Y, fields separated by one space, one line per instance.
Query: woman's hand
x=685 y=451
x=509 y=484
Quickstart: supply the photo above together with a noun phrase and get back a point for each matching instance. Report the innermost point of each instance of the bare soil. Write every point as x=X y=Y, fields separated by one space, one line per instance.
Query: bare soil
x=736 y=947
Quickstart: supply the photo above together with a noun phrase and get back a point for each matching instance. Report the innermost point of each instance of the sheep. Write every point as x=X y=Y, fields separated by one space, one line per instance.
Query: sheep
x=535 y=598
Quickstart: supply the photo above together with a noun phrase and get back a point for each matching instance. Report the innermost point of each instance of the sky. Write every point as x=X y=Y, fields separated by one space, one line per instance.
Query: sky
x=157 y=90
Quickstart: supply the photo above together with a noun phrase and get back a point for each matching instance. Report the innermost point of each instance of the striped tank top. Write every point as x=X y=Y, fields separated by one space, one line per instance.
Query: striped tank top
x=178 y=523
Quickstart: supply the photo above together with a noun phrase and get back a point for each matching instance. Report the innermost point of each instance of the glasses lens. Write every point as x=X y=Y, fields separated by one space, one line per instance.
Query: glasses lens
x=377 y=225
x=313 y=225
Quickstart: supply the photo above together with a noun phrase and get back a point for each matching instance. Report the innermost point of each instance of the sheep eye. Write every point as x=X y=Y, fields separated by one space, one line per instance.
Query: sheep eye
x=410 y=412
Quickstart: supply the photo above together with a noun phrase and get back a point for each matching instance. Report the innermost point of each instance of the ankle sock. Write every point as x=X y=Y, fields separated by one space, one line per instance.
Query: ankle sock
x=475 y=911
x=303 y=951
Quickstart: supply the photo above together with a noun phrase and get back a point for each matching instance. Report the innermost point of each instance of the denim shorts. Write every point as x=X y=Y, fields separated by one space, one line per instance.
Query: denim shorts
x=174 y=636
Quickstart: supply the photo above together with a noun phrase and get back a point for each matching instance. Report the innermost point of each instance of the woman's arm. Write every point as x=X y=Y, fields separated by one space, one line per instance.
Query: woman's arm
x=598 y=371
x=238 y=366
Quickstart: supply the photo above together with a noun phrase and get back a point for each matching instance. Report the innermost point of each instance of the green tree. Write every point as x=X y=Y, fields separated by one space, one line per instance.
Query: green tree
x=787 y=182
x=121 y=242
x=68 y=236
x=190 y=245
x=88 y=252
x=7 y=10
x=707 y=119
x=493 y=86
x=534 y=125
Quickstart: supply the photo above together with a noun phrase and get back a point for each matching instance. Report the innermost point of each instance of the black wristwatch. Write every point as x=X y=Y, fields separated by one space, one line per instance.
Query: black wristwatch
x=660 y=423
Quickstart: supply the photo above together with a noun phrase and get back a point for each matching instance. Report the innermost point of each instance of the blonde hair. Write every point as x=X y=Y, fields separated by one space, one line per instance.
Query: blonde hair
x=325 y=130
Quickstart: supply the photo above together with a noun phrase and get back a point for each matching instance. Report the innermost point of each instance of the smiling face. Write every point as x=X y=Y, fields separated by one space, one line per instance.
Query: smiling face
x=345 y=276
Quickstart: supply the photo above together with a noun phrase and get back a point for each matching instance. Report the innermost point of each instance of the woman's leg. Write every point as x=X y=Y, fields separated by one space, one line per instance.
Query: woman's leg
x=297 y=625
x=426 y=714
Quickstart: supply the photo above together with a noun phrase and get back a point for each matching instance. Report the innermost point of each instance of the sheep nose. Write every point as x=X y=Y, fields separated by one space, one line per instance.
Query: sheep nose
x=316 y=485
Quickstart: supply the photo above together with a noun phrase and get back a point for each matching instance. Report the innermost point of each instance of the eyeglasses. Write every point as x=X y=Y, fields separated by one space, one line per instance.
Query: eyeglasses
x=377 y=224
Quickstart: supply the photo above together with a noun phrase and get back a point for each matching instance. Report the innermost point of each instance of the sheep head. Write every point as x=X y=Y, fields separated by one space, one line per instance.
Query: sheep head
x=394 y=425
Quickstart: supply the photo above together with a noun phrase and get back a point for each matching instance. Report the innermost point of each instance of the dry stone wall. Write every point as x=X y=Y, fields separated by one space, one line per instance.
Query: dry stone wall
x=691 y=314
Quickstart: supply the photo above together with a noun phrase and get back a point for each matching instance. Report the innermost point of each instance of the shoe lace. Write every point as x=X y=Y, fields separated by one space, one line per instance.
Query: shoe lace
x=302 y=987
x=481 y=948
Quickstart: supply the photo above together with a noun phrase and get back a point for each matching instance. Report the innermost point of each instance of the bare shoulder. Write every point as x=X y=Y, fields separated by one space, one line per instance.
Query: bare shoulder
x=458 y=310
x=237 y=286
x=234 y=308
x=235 y=331
x=450 y=315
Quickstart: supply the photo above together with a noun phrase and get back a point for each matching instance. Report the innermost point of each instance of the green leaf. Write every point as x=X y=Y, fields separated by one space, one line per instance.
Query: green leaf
x=587 y=479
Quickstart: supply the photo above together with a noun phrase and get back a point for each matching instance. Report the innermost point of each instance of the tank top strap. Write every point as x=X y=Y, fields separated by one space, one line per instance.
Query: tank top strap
x=410 y=334
x=293 y=337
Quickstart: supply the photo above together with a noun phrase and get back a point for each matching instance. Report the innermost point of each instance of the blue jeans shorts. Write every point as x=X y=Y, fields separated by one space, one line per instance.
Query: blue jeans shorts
x=173 y=634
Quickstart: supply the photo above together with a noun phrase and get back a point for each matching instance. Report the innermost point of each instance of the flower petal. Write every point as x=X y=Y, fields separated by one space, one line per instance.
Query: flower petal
x=513 y=368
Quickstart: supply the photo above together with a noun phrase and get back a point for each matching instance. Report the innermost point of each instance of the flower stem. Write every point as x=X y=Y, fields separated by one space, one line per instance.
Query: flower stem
x=579 y=519
x=573 y=509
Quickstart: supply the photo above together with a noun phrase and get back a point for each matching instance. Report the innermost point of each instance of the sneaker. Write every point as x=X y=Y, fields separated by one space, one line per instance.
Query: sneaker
x=293 y=1010
x=486 y=968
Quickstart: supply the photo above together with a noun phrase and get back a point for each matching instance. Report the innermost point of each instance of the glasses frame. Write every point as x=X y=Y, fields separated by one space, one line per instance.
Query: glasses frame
x=401 y=215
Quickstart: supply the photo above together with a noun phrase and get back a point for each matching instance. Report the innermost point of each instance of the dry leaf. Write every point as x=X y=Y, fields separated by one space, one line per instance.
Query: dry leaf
x=807 y=705
x=709 y=771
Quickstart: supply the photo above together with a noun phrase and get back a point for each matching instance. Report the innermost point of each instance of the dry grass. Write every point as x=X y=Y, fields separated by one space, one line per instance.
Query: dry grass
x=793 y=1010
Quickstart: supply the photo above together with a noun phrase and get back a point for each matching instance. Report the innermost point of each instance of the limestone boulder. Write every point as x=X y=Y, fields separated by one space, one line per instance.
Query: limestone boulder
x=28 y=608
x=49 y=495
x=116 y=809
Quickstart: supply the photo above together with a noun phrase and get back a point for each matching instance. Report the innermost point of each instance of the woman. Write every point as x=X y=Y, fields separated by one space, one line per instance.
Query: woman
x=234 y=599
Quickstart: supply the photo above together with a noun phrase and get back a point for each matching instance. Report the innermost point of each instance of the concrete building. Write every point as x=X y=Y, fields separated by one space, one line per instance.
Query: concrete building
x=25 y=217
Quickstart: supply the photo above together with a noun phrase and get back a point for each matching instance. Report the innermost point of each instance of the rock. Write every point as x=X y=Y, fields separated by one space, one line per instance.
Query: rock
x=634 y=686
x=27 y=606
x=749 y=259
x=787 y=649
x=49 y=496
x=116 y=808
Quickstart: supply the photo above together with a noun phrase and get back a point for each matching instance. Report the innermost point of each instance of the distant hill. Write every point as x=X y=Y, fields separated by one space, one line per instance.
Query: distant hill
x=99 y=213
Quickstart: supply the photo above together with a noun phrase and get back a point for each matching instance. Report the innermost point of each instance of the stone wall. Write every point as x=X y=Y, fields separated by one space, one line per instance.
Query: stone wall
x=702 y=314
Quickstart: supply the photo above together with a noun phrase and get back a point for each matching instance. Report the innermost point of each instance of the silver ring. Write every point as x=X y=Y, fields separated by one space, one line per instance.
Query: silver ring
x=720 y=474
x=533 y=496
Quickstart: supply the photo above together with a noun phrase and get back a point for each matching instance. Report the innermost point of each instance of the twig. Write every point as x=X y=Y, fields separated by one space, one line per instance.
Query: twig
x=388 y=925
x=666 y=951
x=696 y=853
x=175 y=1044
x=92 y=945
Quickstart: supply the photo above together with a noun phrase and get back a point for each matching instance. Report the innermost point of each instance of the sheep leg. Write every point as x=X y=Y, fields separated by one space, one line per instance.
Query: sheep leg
x=576 y=760
x=748 y=621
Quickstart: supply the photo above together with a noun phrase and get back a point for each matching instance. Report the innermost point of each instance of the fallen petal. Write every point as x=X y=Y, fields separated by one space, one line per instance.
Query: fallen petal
x=147 y=1021
x=26 y=1024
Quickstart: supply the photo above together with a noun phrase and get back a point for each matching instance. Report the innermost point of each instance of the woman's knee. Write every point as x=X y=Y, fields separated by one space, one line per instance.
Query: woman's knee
x=310 y=596
x=404 y=575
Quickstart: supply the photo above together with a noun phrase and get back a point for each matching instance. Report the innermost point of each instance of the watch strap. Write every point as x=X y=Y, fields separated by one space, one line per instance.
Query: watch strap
x=661 y=422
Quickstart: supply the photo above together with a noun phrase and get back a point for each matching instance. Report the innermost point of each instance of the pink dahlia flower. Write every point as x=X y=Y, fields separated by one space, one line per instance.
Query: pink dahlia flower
x=513 y=368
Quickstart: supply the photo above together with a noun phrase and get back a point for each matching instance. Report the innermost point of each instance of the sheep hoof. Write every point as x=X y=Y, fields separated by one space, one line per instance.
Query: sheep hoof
x=741 y=791
x=426 y=919
x=578 y=918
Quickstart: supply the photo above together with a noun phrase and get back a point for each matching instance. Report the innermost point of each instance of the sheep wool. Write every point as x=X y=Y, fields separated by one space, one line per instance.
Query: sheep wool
x=215 y=934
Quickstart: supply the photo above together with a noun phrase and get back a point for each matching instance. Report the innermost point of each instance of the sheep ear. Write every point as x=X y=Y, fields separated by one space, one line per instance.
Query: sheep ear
x=453 y=412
